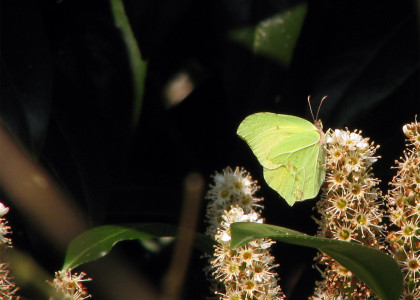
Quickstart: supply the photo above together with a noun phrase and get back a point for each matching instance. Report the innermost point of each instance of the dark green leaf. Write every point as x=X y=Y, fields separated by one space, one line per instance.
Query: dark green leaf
x=97 y=242
x=138 y=66
x=274 y=37
x=366 y=263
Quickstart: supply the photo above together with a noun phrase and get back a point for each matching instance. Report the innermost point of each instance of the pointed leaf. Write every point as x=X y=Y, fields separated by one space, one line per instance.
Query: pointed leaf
x=274 y=37
x=137 y=64
x=366 y=263
x=97 y=242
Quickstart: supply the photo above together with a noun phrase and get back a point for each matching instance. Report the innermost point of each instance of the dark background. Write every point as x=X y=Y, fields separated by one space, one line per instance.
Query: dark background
x=66 y=94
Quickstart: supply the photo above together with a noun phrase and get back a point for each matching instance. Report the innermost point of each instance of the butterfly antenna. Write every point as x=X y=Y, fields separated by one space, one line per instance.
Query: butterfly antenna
x=310 y=107
x=319 y=107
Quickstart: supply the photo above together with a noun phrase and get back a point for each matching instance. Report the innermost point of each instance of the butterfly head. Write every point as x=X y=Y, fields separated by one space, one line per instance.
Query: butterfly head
x=318 y=124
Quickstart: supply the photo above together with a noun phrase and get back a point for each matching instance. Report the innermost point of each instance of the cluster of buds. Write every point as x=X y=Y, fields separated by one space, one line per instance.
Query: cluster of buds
x=349 y=211
x=245 y=273
x=404 y=213
x=70 y=286
x=8 y=287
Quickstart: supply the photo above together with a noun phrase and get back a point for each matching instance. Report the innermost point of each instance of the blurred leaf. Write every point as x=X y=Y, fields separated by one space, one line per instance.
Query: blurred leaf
x=97 y=242
x=137 y=65
x=366 y=263
x=156 y=245
x=28 y=274
x=274 y=37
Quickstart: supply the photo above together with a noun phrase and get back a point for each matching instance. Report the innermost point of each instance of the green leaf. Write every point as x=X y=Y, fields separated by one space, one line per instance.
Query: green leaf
x=379 y=271
x=138 y=66
x=97 y=242
x=274 y=37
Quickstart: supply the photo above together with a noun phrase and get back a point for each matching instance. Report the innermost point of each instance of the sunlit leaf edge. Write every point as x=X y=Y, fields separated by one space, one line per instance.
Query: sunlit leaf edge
x=97 y=242
x=274 y=37
x=138 y=66
x=366 y=263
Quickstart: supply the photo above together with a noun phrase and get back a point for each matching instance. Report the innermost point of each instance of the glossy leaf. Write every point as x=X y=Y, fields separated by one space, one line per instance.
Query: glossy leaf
x=137 y=64
x=97 y=242
x=274 y=37
x=366 y=263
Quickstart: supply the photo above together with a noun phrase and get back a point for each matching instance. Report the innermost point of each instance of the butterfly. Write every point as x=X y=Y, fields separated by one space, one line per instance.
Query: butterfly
x=291 y=151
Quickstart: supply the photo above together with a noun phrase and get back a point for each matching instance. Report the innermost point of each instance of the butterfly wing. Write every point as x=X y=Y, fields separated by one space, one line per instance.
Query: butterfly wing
x=290 y=151
x=265 y=131
x=301 y=176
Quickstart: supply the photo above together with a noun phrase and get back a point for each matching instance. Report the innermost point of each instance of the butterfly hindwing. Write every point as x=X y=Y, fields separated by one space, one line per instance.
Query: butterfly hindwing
x=299 y=178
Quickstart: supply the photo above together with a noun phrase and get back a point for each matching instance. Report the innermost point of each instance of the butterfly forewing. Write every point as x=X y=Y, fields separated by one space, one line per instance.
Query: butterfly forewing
x=264 y=131
x=293 y=146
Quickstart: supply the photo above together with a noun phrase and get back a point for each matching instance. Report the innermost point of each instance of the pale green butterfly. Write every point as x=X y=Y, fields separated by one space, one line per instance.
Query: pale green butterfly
x=291 y=151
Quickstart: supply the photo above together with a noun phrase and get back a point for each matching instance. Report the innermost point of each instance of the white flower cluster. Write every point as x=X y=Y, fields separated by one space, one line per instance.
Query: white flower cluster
x=235 y=214
x=412 y=132
x=350 y=140
x=4 y=228
x=246 y=272
x=353 y=146
x=349 y=210
x=231 y=187
x=404 y=213
x=69 y=285
x=8 y=288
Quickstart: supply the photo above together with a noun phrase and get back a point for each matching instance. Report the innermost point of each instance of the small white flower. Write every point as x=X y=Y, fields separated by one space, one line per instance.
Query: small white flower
x=225 y=237
x=406 y=130
x=3 y=209
x=252 y=217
